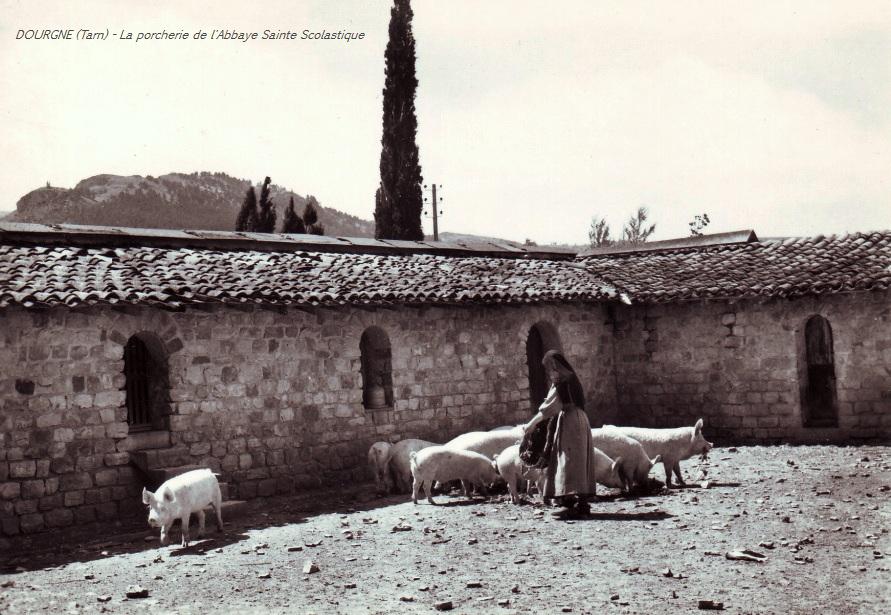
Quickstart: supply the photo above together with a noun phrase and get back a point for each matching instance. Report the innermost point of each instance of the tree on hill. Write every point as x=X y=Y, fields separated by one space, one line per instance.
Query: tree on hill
x=635 y=230
x=398 y=200
x=698 y=224
x=598 y=234
x=265 y=210
x=247 y=215
x=291 y=222
x=311 y=217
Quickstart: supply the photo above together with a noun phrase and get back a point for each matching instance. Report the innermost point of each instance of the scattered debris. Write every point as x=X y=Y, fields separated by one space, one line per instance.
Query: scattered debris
x=767 y=545
x=444 y=606
x=137 y=591
x=264 y=575
x=746 y=555
x=294 y=548
x=710 y=605
x=103 y=598
x=402 y=526
x=504 y=602
x=473 y=584
x=406 y=598
x=309 y=567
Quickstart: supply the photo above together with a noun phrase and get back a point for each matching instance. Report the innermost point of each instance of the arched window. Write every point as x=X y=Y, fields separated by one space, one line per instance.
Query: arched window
x=819 y=404
x=377 y=371
x=542 y=338
x=146 y=383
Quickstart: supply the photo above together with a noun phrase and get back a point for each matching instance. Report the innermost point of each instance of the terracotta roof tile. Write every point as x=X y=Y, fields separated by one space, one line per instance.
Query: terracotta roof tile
x=62 y=275
x=769 y=268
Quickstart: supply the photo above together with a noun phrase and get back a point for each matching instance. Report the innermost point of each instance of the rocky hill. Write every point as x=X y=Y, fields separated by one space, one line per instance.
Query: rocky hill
x=208 y=201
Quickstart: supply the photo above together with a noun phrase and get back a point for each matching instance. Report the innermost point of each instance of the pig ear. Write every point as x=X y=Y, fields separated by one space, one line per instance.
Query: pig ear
x=617 y=463
x=147 y=496
x=698 y=426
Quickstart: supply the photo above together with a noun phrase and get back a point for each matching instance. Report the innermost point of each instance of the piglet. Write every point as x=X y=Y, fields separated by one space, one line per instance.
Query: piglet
x=378 y=458
x=635 y=465
x=444 y=464
x=181 y=496
x=509 y=466
x=607 y=471
x=400 y=463
x=674 y=445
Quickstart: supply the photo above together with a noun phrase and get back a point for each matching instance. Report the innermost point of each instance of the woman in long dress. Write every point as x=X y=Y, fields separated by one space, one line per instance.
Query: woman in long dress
x=569 y=475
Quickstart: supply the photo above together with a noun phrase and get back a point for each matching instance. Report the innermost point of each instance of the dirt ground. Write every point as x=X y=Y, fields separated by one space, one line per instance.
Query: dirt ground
x=820 y=515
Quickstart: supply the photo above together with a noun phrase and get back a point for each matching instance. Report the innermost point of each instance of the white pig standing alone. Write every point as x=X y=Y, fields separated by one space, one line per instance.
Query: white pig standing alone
x=400 y=461
x=635 y=465
x=674 y=445
x=378 y=458
x=444 y=464
x=179 y=497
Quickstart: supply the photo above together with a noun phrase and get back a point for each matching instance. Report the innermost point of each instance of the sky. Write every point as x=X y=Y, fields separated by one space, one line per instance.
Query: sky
x=534 y=117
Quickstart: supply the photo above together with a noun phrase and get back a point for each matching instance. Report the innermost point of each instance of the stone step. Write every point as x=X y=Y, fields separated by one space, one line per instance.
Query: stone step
x=232 y=509
x=157 y=476
x=150 y=459
x=144 y=440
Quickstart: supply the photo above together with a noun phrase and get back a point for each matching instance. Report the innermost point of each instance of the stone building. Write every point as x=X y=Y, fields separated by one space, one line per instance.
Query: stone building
x=129 y=355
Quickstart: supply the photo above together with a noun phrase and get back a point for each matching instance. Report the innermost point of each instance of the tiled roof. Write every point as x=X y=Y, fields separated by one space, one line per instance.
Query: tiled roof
x=45 y=272
x=769 y=268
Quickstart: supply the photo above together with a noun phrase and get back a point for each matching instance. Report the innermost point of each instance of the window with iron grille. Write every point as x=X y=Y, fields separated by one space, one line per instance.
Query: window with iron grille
x=145 y=385
x=377 y=371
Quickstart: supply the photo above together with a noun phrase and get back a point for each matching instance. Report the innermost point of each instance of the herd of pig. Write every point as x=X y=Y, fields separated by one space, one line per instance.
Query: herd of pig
x=622 y=458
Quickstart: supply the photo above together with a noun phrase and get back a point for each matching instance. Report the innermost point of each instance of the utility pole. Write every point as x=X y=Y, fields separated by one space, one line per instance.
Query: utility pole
x=436 y=211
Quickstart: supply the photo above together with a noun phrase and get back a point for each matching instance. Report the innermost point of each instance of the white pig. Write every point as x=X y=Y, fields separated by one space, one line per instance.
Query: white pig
x=179 y=497
x=607 y=471
x=505 y=428
x=674 y=445
x=400 y=462
x=443 y=464
x=378 y=457
x=488 y=443
x=635 y=465
x=512 y=470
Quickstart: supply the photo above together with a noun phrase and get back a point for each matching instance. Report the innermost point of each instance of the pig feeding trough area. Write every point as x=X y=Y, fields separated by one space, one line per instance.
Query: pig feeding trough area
x=758 y=529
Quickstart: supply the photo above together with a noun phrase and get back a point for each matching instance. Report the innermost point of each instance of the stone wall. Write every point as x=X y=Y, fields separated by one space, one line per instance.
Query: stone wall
x=737 y=365
x=271 y=399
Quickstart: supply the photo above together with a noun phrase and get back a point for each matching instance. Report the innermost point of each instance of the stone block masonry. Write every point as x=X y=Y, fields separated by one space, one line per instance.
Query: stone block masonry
x=271 y=399
x=738 y=366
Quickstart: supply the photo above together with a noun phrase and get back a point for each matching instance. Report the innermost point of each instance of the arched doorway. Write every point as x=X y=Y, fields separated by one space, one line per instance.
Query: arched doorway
x=377 y=371
x=146 y=383
x=542 y=338
x=818 y=391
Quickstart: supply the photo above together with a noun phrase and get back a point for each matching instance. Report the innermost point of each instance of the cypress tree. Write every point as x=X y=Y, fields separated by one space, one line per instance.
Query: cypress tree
x=291 y=222
x=266 y=210
x=311 y=217
x=247 y=215
x=398 y=201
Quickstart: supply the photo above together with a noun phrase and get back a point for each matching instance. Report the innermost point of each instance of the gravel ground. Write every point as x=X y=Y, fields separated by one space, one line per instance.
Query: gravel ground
x=819 y=514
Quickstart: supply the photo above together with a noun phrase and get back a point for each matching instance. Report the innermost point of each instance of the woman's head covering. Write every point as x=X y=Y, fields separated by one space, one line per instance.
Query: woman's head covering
x=569 y=388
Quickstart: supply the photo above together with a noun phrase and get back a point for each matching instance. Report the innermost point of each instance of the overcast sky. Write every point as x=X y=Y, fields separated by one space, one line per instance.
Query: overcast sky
x=534 y=116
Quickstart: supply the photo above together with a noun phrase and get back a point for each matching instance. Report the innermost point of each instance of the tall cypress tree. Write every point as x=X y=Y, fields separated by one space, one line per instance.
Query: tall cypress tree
x=398 y=201
x=311 y=217
x=291 y=222
x=266 y=210
x=247 y=215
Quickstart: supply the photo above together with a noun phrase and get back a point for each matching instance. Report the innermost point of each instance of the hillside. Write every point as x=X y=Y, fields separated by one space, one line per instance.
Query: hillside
x=207 y=201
